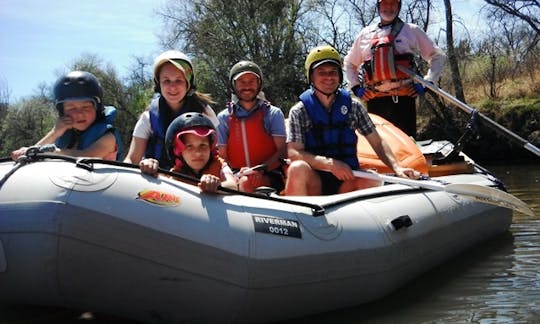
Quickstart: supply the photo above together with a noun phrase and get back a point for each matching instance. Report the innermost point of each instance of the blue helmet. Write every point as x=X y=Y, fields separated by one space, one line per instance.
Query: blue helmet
x=78 y=85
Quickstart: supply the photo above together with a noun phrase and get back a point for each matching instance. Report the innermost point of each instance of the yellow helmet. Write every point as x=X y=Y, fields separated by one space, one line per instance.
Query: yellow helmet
x=320 y=55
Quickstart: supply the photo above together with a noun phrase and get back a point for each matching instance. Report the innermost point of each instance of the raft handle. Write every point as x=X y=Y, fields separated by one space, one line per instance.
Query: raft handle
x=401 y=221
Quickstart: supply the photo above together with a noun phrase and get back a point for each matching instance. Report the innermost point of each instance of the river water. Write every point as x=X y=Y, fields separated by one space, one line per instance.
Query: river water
x=496 y=282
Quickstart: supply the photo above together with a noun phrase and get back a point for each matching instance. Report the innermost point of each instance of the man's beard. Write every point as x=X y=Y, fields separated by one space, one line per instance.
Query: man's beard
x=251 y=98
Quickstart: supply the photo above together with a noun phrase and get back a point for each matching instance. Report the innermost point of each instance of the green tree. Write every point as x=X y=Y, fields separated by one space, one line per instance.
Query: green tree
x=25 y=123
x=138 y=90
x=218 y=33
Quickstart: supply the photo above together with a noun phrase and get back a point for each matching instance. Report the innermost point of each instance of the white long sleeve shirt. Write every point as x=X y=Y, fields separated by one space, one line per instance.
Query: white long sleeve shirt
x=411 y=39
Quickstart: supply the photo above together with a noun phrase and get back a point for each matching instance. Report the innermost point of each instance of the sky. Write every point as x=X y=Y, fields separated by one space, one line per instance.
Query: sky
x=39 y=39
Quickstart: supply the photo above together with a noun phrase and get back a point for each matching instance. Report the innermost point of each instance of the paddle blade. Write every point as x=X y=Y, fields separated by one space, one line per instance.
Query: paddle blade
x=489 y=195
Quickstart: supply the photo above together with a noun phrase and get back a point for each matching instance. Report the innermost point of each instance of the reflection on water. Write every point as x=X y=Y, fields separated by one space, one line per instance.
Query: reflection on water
x=496 y=282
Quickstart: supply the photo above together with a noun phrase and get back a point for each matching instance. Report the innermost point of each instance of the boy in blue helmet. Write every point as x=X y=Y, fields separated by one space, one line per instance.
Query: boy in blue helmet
x=84 y=125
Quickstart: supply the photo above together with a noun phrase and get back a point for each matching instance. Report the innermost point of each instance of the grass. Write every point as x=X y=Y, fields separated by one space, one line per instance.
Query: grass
x=516 y=108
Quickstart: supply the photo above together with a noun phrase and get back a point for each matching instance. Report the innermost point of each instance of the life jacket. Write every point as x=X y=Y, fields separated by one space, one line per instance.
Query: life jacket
x=249 y=144
x=155 y=148
x=159 y=123
x=213 y=167
x=92 y=134
x=380 y=72
x=331 y=134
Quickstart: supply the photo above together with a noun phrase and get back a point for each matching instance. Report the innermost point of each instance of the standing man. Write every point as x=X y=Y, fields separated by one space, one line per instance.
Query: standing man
x=322 y=139
x=371 y=66
x=251 y=131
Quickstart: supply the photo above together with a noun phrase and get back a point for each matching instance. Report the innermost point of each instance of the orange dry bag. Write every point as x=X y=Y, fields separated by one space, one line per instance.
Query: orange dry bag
x=404 y=148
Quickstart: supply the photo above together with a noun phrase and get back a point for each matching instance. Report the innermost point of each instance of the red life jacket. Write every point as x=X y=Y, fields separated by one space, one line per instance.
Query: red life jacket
x=213 y=167
x=380 y=73
x=249 y=144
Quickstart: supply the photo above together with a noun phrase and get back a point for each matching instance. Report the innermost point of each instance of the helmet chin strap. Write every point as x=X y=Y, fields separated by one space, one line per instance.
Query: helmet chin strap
x=327 y=94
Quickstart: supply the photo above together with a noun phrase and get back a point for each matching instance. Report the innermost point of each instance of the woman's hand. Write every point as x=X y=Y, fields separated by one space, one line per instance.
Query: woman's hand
x=149 y=166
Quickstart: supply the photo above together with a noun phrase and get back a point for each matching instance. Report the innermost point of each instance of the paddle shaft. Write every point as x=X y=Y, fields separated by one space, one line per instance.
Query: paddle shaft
x=491 y=123
x=477 y=192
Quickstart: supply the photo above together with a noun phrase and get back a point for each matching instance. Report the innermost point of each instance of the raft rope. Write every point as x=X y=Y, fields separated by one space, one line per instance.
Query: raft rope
x=18 y=164
x=35 y=154
x=31 y=155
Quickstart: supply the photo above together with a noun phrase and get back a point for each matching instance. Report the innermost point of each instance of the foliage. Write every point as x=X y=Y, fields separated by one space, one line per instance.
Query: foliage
x=25 y=123
x=278 y=34
x=527 y=11
x=521 y=116
x=219 y=33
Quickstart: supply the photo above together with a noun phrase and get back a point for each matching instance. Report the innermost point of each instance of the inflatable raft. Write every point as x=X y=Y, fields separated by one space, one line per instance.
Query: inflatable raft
x=102 y=237
x=98 y=236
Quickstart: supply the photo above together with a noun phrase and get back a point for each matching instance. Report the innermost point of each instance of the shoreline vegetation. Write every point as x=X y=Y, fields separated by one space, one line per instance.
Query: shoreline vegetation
x=516 y=108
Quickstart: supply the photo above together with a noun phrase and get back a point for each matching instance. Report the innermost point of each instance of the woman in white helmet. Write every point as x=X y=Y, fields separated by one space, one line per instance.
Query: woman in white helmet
x=174 y=81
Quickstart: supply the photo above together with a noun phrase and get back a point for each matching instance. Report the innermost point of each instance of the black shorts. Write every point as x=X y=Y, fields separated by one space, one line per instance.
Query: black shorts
x=276 y=179
x=329 y=183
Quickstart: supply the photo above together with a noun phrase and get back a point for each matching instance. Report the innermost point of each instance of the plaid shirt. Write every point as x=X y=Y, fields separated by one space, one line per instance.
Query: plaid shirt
x=300 y=122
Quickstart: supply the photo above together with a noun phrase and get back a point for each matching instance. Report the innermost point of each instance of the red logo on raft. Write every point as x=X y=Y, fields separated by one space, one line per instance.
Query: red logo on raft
x=160 y=198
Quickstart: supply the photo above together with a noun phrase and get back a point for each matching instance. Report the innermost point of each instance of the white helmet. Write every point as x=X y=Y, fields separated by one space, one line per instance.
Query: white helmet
x=181 y=61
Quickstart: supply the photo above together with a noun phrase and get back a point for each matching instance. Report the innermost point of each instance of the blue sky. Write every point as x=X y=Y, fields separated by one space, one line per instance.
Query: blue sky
x=39 y=39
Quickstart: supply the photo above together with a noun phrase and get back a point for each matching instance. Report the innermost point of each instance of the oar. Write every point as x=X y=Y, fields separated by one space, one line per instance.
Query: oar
x=477 y=192
x=493 y=125
x=260 y=167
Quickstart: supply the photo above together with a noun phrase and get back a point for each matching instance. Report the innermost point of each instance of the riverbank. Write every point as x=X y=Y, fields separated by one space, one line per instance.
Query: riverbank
x=482 y=143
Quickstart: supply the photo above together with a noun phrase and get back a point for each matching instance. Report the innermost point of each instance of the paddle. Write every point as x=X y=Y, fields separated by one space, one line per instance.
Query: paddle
x=491 y=123
x=260 y=167
x=477 y=192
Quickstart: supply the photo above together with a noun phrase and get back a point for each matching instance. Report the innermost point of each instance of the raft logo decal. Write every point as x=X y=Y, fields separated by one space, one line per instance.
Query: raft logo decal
x=157 y=197
x=276 y=226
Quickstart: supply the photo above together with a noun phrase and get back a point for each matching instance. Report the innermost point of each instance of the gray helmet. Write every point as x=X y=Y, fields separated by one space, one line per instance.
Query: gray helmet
x=242 y=68
x=78 y=85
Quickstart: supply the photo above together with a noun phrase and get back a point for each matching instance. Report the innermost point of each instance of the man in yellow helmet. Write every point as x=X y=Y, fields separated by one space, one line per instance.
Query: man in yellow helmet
x=321 y=137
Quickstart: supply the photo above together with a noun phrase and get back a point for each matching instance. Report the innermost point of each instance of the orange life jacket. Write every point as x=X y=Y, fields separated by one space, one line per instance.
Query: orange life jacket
x=249 y=144
x=380 y=72
x=214 y=168
x=407 y=153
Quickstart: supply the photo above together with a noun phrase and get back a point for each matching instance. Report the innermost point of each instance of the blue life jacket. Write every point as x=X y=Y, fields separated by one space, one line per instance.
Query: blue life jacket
x=93 y=133
x=331 y=134
x=159 y=122
x=155 y=147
